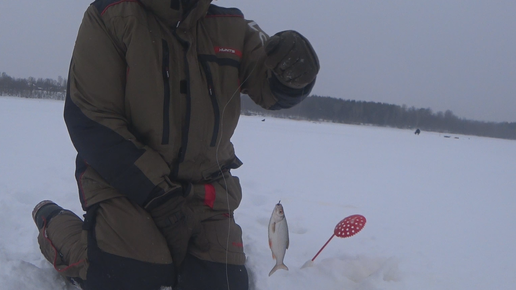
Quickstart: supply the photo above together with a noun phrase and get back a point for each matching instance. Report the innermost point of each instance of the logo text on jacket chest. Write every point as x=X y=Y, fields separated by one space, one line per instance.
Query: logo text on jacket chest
x=229 y=50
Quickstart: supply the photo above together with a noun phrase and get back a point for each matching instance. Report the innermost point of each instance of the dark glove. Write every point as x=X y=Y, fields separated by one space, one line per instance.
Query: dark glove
x=177 y=222
x=291 y=57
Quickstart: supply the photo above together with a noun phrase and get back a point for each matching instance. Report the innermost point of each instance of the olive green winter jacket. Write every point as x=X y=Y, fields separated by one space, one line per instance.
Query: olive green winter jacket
x=154 y=95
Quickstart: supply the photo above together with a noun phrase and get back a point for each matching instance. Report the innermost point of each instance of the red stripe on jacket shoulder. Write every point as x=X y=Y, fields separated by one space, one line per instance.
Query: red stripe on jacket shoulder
x=103 y=5
x=216 y=11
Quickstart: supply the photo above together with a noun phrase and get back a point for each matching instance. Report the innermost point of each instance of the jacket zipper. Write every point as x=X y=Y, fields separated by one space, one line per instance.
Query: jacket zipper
x=214 y=103
x=186 y=125
x=166 y=93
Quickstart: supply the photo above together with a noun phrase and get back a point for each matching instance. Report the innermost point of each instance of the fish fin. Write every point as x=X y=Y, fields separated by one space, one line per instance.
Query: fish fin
x=288 y=242
x=273 y=227
x=281 y=266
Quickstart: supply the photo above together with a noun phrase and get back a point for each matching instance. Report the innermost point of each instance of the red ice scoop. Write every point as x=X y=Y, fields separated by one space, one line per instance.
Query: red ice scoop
x=346 y=228
x=349 y=226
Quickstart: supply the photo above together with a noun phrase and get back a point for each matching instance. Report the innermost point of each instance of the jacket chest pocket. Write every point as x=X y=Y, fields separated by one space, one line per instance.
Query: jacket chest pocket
x=222 y=87
x=166 y=92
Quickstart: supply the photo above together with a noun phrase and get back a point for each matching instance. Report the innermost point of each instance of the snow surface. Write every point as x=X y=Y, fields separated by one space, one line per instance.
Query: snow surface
x=440 y=211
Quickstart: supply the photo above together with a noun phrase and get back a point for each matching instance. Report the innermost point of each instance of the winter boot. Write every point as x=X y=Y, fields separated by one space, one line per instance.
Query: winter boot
x=44 y=211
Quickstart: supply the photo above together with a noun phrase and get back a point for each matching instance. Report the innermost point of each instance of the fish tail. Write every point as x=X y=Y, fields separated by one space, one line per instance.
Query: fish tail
x=277 y=267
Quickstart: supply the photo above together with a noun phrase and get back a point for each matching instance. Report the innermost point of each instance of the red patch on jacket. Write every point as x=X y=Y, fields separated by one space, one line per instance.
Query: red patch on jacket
x=209 y=195
x=228 y=50
x=238 y=245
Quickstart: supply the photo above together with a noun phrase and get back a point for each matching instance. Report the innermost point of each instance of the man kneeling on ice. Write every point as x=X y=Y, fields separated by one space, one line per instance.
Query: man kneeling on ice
x=152 y=102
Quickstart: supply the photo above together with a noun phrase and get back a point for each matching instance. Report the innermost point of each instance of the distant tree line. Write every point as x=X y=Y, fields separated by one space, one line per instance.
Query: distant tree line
x=327 y=109
x=33 y=88
x=314 y=108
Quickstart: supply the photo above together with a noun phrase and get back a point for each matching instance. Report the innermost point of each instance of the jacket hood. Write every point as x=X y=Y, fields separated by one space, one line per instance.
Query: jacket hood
x=173 y=13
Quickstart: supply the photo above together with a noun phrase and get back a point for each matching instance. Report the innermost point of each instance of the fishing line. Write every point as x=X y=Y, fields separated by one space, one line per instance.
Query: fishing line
x=220 y=167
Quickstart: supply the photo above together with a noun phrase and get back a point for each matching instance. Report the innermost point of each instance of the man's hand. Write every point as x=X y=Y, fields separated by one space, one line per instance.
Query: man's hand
x=292 y=59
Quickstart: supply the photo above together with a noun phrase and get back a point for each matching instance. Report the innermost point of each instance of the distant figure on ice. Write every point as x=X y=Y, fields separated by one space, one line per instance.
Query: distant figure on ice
x=150 y=109
x=417 y=131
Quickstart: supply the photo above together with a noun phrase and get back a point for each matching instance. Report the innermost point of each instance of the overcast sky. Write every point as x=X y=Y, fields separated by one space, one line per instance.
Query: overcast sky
x=439 y=54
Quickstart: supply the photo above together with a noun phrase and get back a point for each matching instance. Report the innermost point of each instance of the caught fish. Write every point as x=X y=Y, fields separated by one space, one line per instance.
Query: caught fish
x=278 y=237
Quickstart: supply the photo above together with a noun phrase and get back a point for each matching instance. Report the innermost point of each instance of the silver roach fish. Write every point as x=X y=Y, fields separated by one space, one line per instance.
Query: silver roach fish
x=278 y=237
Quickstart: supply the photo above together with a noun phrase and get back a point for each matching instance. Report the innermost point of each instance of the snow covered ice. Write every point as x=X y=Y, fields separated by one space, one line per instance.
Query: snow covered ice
x=440 y=211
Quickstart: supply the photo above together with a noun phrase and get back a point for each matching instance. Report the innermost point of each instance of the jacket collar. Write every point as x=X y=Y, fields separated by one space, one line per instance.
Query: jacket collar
x=176 y=17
